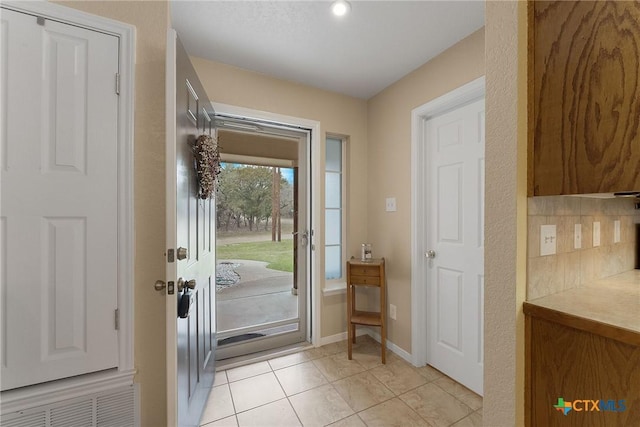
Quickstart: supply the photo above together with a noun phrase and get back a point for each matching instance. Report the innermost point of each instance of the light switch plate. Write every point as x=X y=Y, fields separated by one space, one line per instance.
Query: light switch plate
x=577 y=236
x=392 y=311
x=390 y=204
x=547 y=240
x=596 y=234
x=616 y=231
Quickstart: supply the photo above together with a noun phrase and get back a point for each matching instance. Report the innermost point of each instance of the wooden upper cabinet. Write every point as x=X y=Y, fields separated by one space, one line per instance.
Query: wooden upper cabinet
x=585 y=129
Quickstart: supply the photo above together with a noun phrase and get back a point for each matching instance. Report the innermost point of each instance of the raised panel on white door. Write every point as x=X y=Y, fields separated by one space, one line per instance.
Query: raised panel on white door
x=449 y=134
x=3 y=292
x=4 y=73
x=480 y=125
x=449 y=320
x=449 y=203
x=64 y=274
x=64 y=103
x=480 y=199
x=480 y=298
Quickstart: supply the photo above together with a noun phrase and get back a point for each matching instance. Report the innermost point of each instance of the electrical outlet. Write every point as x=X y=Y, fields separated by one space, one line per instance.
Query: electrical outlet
x=616 y=231
x=596 y=234
x=577 y=236
x=392 y=311
x=547 y=240
x=390 y=204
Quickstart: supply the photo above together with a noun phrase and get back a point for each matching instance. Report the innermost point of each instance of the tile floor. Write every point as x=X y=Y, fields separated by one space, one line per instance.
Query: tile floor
x=320 y=387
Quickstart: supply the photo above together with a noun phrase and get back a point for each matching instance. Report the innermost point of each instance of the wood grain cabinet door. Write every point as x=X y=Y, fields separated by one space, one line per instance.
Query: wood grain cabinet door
x=586 y=97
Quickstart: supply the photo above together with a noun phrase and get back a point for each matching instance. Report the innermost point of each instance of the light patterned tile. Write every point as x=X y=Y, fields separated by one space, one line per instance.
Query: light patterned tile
x=399 y=377
x=237 y=374
x=320 y=406
x=572 y=269
x=430 y=373
x=533 y=236
x=220 y=378
x=460 y=392
x=289 y=360
x=473 y=420
x=392 y=413
x=338 y=366
x=545 y=276
x=352 y=421
x=225 y=422
x=565 y=233
x=299 y=378
x=362 y=391
x=279 y=413
x=255 y=391
x=435 y=405
x=219 y=405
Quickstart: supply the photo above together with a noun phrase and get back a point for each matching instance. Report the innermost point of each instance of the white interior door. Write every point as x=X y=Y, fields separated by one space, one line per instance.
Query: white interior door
x=59 y=178
x=455 y=147
x=190 y=243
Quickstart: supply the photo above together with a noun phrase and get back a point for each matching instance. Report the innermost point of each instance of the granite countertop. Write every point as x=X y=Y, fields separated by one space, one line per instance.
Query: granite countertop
x=608 y=307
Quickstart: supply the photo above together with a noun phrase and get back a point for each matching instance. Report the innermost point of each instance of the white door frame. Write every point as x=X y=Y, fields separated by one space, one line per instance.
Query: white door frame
x=76 y=386
x=419 y=116
x=314 y=311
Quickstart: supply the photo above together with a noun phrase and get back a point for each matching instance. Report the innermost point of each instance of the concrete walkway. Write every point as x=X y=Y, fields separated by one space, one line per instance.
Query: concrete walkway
x=261 y=295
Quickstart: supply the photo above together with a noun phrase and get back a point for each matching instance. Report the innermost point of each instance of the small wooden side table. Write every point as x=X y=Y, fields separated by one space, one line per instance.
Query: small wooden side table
x=366 y=273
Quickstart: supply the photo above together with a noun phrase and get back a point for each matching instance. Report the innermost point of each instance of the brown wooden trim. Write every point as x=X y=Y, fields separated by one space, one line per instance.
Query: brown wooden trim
x=528 y=364
x=584 y=324
x=530 y=98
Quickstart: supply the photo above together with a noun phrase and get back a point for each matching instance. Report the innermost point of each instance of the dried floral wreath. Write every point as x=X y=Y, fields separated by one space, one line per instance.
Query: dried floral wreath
x=207 y=161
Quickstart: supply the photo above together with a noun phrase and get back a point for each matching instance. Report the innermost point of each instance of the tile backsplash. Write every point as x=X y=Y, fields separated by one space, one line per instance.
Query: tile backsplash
x=570 y=267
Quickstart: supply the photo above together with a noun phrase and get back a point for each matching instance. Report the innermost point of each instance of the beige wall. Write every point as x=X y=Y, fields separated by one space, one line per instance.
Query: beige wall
x=151 y=19
x=337 y=114
x=505 y=212
x=389 y=157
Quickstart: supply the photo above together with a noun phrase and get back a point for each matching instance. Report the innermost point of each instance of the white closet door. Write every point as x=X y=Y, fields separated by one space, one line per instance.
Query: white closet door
x=59 y=200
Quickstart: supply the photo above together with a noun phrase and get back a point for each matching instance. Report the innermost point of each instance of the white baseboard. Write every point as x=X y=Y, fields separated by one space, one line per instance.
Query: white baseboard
x=403 y=354
x=373 y=334
x=340 y=337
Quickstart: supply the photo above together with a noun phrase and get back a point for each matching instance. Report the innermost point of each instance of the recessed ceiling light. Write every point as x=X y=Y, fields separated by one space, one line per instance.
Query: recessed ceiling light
x=340 y=7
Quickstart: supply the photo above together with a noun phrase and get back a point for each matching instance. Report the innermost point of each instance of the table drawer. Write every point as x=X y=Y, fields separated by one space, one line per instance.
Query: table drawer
x=365 y=270
x=365 y=280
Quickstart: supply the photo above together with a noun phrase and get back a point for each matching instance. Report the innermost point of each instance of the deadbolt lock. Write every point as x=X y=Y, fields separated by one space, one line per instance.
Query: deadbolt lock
x=182 y=253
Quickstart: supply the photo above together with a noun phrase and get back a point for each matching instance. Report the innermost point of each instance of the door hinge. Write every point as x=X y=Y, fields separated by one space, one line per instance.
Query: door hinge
x=40 y=20
x=117 y=83
x=117 y=319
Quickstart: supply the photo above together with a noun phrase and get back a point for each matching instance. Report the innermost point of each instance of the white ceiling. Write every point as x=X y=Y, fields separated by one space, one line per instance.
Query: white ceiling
x=360 y=54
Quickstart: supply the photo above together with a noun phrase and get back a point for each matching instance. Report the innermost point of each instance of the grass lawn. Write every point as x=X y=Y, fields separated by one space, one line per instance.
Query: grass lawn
x=279 y=255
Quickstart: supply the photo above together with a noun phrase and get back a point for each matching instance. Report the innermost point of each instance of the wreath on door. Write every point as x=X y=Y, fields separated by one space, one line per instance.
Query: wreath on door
x=207 y=162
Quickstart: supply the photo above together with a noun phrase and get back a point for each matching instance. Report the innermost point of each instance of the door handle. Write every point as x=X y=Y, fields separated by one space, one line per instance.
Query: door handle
x=159 y=285
x=430 y=254
x=191 y=284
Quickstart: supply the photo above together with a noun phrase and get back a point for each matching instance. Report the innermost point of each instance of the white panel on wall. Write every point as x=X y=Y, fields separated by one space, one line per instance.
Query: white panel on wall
x=4 y=72
x=3 y=291
x=480 y=203
x=65 y=283
x=481 y=127
x=450 y=134
x=450 y=203
x=111 y=408
x=449 y=294
x=65 y=103
x=480 y=299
